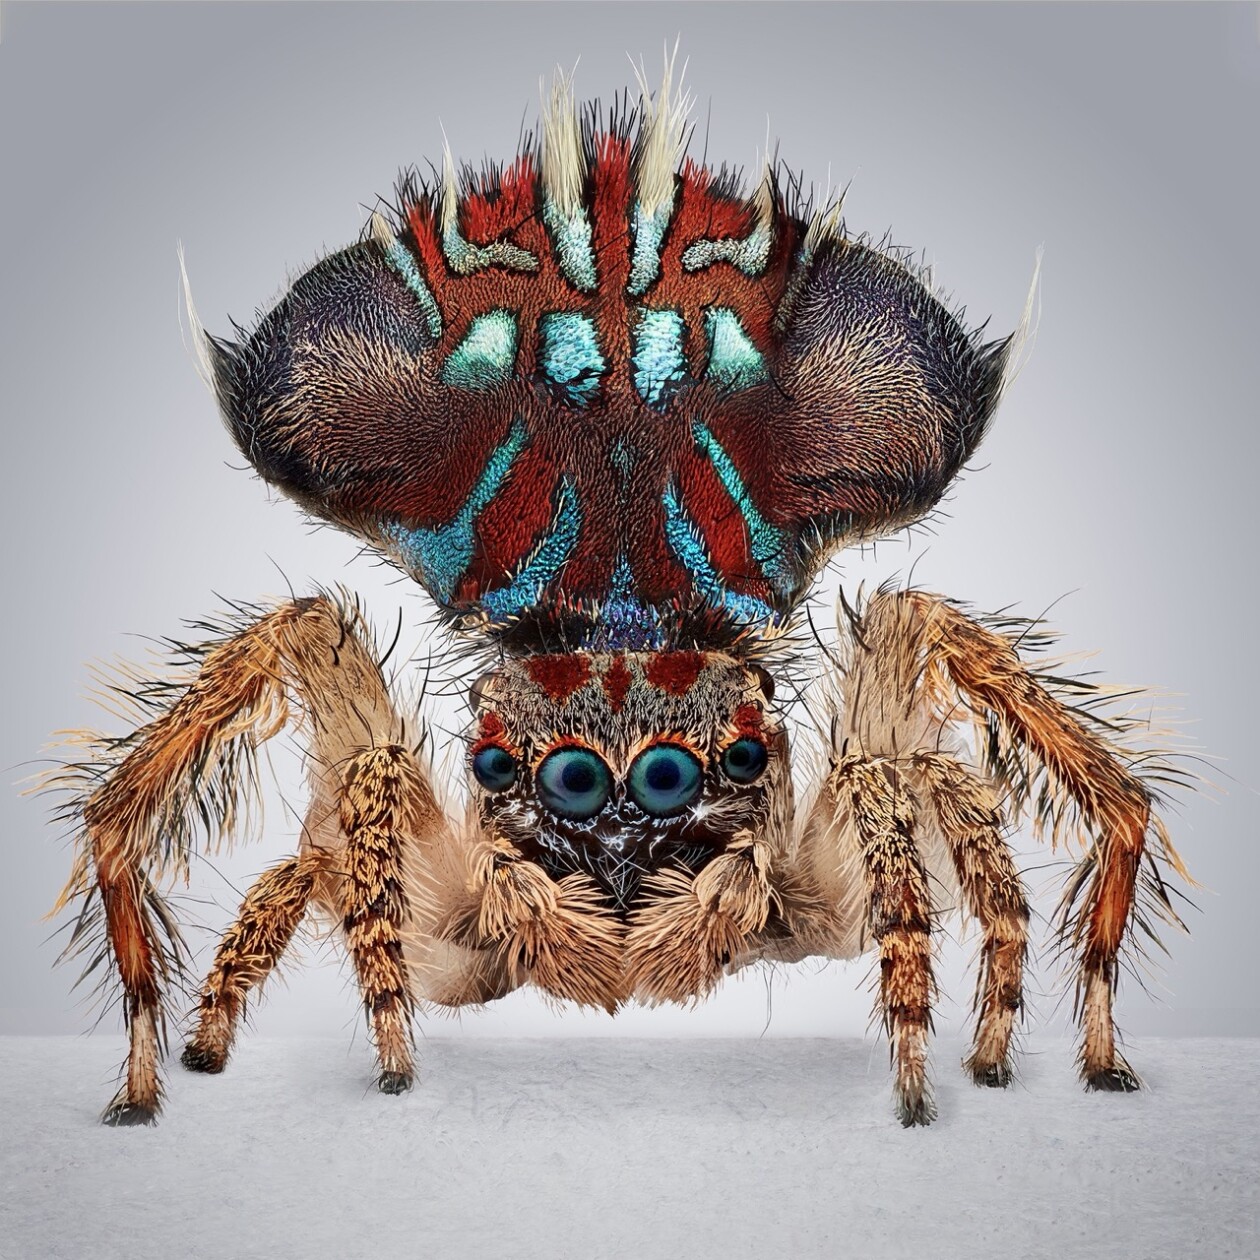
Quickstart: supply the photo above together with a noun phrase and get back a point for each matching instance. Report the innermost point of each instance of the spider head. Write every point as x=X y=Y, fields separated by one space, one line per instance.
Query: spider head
x=619 y=764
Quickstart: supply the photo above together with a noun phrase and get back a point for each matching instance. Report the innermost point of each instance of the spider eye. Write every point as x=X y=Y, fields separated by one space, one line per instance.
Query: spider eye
x=494 y=768
x=745 y=760
x=574 y=783
x=665 y=779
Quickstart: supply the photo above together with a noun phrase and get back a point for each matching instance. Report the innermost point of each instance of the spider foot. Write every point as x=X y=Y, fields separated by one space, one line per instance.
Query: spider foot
x=1120 y=1079
x=200 y=1059
x=991 y=1075
x=395 y=1082
x=123 y=1114
x=914 y=1110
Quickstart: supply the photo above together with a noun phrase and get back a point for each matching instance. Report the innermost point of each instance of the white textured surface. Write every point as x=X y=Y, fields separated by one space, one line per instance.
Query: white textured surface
x=611 y=1148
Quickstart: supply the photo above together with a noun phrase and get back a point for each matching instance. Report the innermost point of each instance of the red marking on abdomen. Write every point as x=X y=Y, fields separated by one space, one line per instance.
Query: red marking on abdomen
x=675 y=672
x=559 y=676
x=617 y=680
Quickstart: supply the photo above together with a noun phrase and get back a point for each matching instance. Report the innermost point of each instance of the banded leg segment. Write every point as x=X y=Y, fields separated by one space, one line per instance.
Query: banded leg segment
x=899 y=917
x=376 y=810
x=970 y=821
x=246 y=955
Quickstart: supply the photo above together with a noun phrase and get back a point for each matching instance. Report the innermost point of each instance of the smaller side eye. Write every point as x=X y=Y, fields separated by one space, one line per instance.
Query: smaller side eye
x=745 y=760
x=665 y=779
x=494 y=768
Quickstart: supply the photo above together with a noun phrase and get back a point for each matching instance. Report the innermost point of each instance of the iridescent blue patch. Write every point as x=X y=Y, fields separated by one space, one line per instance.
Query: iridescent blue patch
x=687 y=543
x=572 y=234
x=486 y=355
x=570 y=356
x=645 y=259
x=440 y=557
x=464 y=257
x=734 y=362
x=750 y=254
x=768 y=543
x=659 y=364
x=626 y=624
x=529 y=587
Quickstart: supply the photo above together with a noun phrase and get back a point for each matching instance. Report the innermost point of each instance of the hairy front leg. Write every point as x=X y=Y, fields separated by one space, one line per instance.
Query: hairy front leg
x=899 y=916
x=970 y=822
x=380 y=785
x=246 y=956
x=185 y=764
x=143 y=798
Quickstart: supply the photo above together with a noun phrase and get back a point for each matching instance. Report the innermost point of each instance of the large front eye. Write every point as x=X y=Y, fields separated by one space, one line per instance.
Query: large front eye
x=665 y=779
x=494 y=768
x=745 y=760
x=574 y=783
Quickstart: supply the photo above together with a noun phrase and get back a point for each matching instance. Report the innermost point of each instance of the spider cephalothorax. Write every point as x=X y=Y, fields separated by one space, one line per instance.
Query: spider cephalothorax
x=621 y=764
x=614 y=415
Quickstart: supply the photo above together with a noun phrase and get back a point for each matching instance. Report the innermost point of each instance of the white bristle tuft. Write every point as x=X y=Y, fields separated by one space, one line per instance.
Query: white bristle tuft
x=1025 y=335
x=450 y=189
x=663 y=129
x=563 y=163
x=382 y=233
x=200 y=347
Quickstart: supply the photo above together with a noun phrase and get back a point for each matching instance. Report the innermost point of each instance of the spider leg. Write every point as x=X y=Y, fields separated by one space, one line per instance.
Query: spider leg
x=899 y=916
x=374 y=817
x=969 y=819
x=142 y=799
x=246 y=955
x=1083 y=768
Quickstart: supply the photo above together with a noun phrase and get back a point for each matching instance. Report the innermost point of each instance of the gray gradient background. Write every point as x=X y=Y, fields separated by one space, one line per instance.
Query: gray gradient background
x=1119 y=479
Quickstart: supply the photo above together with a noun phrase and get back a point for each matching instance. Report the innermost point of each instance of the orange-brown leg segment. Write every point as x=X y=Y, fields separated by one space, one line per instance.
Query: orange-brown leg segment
x=1083 y=766
x=250 y=948
x=375 y=808
x=899 y=918
x=970 y=822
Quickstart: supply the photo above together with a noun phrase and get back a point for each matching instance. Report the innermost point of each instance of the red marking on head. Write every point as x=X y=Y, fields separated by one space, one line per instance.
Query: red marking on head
x=490 y=732
x=749 y=720
x=617 y=680
x=675 y=672
x=559 y=676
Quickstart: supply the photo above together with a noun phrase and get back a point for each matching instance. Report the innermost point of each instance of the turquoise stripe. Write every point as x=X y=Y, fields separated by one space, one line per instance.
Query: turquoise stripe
x=465 y=258
x=441 y=556
x=529 y=587
x=768 y=543
x=570 y=355
x=659 y=364
x=645 y=259
x=685 y=539
x=750 y=254
x=398 y=256
x=572 y=235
